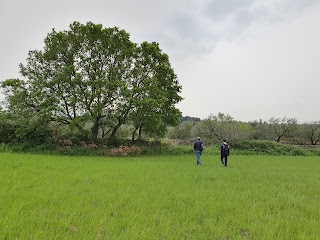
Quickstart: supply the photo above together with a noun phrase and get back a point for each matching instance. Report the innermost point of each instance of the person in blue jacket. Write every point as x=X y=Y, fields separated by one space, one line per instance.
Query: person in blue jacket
x=198 y=148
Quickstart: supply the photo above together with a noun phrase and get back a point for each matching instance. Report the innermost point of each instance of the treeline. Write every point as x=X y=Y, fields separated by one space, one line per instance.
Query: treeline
x=188 y=118
x=222 y=126
x=212 y=129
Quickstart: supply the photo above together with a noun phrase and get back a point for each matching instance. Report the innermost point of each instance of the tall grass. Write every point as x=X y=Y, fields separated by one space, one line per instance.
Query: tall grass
x=164 y=197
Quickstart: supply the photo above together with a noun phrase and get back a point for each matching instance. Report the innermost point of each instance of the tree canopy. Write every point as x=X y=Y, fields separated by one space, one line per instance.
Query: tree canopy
x=96 y=79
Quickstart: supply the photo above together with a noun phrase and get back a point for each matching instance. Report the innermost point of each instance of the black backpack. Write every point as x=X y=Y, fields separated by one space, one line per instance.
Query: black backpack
x=225 y=148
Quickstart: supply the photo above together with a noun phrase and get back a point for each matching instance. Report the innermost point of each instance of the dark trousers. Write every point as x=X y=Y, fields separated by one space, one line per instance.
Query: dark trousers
x=224 y=160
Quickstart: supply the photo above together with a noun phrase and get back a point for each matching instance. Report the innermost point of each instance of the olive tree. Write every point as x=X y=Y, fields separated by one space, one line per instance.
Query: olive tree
x=282 y=127
x=309 y=133
x=223 y=126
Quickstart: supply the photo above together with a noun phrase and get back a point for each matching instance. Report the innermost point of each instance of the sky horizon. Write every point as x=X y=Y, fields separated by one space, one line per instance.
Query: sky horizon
x=247 y=58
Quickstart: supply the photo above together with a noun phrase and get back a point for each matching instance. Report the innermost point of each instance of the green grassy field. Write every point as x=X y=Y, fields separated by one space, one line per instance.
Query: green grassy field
x=169 y=197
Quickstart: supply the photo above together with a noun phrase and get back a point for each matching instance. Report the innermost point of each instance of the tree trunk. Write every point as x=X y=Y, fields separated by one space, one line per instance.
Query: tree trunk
x=140 y=133
x=94 y=131
x=134 y=134
x=121 y=120
x=113 y=133
x=278 y=138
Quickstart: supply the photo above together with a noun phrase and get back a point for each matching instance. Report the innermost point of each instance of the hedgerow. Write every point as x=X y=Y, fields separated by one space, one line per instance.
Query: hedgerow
x=260 y=147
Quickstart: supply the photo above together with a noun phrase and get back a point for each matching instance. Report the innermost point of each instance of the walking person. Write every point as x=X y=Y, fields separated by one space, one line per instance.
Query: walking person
x=225 y=152
x=198 y=148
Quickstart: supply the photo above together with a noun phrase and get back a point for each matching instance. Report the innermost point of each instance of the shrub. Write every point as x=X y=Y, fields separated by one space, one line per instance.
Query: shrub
x=126 y=150
x=267 y=147
x=5 y=148
x=315 y=150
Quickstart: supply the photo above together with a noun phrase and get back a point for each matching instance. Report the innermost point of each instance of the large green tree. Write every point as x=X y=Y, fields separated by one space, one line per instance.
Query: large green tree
x=156 y=91
x=90 y=75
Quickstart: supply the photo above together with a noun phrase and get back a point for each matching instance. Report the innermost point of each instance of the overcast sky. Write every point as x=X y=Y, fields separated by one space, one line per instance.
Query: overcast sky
x=251 y=59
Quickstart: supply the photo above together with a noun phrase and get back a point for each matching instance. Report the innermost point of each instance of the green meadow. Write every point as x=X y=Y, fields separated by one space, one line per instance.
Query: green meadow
x=159 y=197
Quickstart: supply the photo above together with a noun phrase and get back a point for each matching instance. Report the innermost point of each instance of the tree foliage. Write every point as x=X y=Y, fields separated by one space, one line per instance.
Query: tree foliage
x=155 y=88
x=188 y=118
x=183 y=131
x=95 y=79
x=282 y=127
x=222 y=126
x=308 y=133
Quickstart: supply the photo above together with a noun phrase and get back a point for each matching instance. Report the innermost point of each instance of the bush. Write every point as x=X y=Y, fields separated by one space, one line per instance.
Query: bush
x=5 y=148
x=165 y=150
x=126 y=150
x=7 y=132
x=315 y=150
x=254 y=147
x=258 y=147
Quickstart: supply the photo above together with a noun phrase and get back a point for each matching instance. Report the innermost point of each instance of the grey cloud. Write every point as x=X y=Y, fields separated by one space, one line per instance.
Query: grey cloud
x=187 y=26
x=222 y=20
x=185 y=34
x=244 y=17
x=220 y=9
x=199 y=29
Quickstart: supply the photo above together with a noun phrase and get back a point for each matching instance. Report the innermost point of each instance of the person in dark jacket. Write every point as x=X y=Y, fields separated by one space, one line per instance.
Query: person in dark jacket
x=198 y=148
x=225 y=152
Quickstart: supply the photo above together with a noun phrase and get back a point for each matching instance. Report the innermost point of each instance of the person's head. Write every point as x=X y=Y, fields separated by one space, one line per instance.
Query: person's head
x=198 y=138
x=224 y=140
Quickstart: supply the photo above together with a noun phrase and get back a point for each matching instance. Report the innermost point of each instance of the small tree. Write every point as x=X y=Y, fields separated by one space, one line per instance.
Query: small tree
x=183 y=131
x=261 y=130
x=223 y=126
x=310 y=133
x=281 y=128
